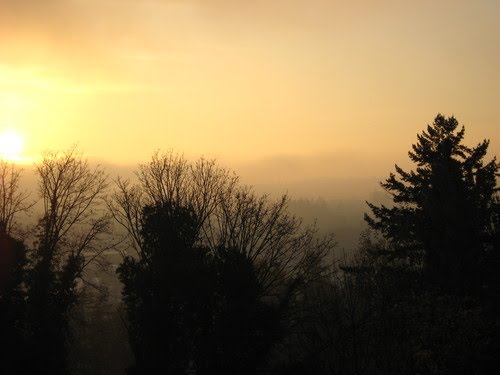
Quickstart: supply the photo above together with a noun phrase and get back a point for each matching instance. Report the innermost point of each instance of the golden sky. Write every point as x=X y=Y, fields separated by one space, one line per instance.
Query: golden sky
x=241 y=80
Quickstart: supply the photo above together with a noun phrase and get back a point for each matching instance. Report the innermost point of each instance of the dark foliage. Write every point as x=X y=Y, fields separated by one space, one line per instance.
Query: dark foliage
x=188 y=308
x=51 y=293
x=435 y=264
x=421 y=295
x=444 y=211
x=39 y=285
x=12 y=304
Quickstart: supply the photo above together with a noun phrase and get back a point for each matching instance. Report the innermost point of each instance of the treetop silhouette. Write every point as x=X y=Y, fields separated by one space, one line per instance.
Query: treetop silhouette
x=444 y=211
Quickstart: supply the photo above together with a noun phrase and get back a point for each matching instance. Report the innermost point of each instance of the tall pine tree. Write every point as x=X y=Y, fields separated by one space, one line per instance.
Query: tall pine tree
x=443 y=213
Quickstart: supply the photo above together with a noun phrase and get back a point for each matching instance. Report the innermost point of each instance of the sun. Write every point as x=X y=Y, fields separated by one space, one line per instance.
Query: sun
x=11 y=145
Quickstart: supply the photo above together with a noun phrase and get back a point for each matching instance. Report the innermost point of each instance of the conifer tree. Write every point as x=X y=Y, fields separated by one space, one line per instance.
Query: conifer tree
x=443 y=215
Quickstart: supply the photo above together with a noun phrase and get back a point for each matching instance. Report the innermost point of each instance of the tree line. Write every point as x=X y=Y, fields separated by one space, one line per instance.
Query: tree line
x=217 y=279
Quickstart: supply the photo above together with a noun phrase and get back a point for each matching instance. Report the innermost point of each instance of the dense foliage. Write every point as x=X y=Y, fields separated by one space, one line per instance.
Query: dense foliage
x=188 y=308
x=421 y=295
x=444 y=212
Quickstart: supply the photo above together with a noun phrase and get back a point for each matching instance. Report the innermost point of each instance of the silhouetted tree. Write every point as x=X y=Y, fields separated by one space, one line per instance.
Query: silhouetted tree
x=187 y=308
x=244 y=326
x=227 y=216
x=443 y=213
x=254 y=254
x=13 y=267
x=13 y=355
x=165 y=290
x=68 y=239
x=394 y=307
x=437 y=239
x=372 y=316
x=13 y=201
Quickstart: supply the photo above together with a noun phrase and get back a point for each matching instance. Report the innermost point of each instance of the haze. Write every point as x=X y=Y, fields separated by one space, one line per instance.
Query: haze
x=291 y=90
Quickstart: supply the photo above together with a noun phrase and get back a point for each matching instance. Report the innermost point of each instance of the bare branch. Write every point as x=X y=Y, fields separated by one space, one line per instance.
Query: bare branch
x=229 y=216
x=13 y=201
x=74 y=217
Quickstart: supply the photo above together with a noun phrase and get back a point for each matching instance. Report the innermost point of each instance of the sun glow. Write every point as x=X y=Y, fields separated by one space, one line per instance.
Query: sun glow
x=11 y=146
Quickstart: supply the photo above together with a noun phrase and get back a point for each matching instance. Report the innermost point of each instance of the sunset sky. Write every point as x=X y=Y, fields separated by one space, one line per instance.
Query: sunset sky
x=342 y=85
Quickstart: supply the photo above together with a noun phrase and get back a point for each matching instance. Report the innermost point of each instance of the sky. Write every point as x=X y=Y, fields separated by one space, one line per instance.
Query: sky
x=288 y=89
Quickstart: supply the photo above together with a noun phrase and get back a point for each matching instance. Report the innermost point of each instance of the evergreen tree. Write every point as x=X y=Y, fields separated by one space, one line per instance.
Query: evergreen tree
x=443 y=217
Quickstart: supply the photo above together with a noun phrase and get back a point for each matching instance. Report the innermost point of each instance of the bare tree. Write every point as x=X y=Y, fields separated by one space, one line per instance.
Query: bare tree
x=69 y=236
x=273 y=239
x=13 y=201
x=230 y=216
x=169 y=178
x=74 y=217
